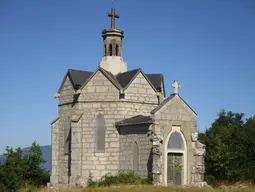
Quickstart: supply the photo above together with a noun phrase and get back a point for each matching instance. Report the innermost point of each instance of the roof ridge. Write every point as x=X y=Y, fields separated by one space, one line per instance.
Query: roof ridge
x=78 y=70
x=129 y=71
x=170 y=97
x=153 y=73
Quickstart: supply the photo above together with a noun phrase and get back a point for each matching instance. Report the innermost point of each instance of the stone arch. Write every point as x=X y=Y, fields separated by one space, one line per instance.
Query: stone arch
x=175 y=165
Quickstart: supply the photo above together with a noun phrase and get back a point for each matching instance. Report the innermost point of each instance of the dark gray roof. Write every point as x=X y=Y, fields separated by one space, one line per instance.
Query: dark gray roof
x=121 y=80
x=125 y=78
x=155 y=79
x=139 y=119
x=111 y=76
x=78 y=77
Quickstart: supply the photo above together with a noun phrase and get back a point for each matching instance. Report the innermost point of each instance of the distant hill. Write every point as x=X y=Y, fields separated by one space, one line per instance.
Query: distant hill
x=46 y=150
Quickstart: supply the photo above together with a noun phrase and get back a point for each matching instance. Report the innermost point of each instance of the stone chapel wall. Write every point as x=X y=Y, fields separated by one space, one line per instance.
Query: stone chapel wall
x=64 y=112
x=176 y=113
x=65 y=109
x=55 y=151
x=66 y=92
x=101 y=163
x=141 y=91
x=76 y=150
x=129 y=136
x=99 y=88
x=99 y=96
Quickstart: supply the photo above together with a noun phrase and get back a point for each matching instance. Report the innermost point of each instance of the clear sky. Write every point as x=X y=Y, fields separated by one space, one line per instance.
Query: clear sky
x=209 y=46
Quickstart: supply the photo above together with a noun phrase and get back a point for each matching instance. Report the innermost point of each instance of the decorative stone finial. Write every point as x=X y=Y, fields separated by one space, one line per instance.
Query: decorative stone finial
x=176 y=86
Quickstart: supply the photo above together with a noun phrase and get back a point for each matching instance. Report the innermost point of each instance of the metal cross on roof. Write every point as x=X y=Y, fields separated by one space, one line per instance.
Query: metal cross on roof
x=113 y=16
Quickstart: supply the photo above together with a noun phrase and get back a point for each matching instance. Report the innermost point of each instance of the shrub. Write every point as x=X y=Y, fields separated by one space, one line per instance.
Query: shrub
x=120 y=178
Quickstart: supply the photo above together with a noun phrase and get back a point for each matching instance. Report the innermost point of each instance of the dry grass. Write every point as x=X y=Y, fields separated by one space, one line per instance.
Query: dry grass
x=144 y=188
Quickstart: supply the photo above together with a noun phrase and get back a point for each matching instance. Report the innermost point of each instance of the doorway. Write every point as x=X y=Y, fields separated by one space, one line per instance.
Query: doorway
x=175 y=168
x=175 y=158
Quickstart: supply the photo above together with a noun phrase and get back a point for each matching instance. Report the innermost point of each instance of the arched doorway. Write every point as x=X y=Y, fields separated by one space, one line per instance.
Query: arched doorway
x=175 y=158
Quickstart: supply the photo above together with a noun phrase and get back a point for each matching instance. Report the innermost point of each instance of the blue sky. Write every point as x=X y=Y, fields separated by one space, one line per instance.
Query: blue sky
x=209 y=46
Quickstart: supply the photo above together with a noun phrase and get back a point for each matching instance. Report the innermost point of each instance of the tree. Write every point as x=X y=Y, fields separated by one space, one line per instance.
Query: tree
x=35 y=173
x=223 y=147
x=12 y=171
x=249 y=144
x=20 y=169
x=230 y=148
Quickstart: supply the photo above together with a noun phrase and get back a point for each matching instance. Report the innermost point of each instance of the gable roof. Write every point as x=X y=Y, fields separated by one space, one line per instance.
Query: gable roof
x=156 y=80
x=77 y=78
x=139 y=119
x=166 y=101
x=107 y=74
x=111 y=77
x=80 y=78
x=125 y=78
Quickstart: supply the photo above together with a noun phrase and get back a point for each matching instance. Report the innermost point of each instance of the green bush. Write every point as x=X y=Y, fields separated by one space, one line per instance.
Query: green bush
x=121 y=178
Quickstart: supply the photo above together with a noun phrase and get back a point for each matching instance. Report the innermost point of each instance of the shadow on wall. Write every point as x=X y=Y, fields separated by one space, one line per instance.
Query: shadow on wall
x=150 y=162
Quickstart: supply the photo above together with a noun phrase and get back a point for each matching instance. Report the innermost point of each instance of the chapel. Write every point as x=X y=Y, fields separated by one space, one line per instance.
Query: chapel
x=114 y=119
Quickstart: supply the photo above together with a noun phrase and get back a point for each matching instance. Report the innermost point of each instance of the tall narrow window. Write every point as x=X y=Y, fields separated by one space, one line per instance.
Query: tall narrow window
x=100 y=133
x=105 y=50
x=67 y=136
x=110 y=49
x=117 y=50
x=135 y=156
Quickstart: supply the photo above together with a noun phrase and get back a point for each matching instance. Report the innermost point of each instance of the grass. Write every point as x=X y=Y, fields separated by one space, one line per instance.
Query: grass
x=146 y=188
x=130 y=182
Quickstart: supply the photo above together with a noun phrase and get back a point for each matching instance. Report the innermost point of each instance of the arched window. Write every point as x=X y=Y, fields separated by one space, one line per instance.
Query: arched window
x=176 y=157
x=110 y=49
x=117 y=50
x=135 y=156
x=100 y=133
x=105 y=53
x=175 y=141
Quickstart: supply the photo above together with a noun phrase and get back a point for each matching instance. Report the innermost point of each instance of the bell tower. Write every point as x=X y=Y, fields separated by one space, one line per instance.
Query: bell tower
x=112 y=60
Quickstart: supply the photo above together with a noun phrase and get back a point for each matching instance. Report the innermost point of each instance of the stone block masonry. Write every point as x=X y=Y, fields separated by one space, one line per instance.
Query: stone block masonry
x=99 y=96
x=129 y=136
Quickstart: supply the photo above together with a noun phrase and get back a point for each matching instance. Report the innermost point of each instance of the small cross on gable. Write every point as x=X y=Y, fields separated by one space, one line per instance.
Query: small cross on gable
x=176 y=86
